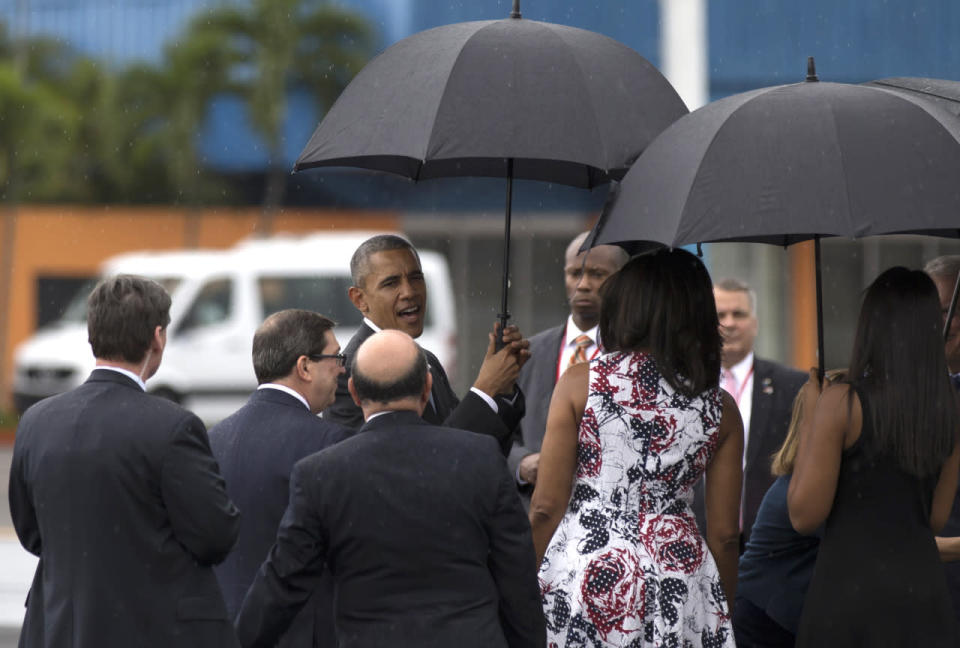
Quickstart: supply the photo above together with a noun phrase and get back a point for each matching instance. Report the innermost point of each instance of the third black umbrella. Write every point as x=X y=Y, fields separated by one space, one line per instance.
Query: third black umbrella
x=511 y=98
x=791 y=163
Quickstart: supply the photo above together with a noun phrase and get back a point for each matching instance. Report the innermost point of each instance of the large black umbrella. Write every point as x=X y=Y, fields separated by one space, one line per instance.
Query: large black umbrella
x=943 y=92
x=509 y=98
x=791 y=163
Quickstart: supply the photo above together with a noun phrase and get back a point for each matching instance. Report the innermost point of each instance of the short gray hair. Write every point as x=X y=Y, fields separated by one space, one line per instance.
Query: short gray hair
x=283 y=338
x=360 y=261
x=730 y=284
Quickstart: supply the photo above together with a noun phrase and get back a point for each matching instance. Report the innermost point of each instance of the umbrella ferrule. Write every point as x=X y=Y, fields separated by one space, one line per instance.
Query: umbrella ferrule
x=811 y=70
x=515 y=12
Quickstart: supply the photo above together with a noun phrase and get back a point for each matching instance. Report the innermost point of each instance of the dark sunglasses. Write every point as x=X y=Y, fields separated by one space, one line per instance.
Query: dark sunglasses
x=340 y=358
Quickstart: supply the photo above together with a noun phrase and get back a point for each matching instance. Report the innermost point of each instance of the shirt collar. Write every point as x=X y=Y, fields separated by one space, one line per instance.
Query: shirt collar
x=287 y=390
x=129 y=374
x=573 y=332
x=742 y=369
x=376 y=329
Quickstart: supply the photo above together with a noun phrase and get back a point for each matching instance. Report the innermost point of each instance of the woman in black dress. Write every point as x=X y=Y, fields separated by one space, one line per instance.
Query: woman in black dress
x=878 y=462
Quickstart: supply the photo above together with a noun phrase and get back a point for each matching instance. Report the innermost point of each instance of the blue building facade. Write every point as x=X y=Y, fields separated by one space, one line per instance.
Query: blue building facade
x=750 y=44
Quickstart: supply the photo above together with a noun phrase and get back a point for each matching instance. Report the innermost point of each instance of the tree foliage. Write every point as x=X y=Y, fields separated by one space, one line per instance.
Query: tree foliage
x=74 y=129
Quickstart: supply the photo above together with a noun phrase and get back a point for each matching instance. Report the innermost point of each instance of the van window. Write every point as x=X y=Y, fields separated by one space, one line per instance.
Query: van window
x=212 y=305
x=326 y=295
x=76 y=310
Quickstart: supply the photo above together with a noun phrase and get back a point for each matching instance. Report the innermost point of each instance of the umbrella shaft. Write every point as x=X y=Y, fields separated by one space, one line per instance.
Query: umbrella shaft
x=504 y=315
x=953 y=308
x=818 y=264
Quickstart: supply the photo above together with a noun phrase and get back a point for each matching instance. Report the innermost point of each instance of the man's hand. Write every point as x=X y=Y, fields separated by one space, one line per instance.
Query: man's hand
x=499 y=370
x=528 y=468
x=514 y=340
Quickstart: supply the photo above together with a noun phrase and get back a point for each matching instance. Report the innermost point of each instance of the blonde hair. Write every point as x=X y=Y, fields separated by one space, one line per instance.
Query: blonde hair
x=784 y=458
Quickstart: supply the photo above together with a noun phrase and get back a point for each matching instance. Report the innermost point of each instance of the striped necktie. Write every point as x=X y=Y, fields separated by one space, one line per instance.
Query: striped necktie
x=580 y=352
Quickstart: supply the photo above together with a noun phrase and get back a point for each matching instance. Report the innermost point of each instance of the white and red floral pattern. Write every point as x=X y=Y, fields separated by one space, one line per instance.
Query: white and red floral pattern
x=627 y=566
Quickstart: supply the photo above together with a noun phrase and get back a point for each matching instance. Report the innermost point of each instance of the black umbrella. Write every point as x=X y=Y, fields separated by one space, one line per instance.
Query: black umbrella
x=943 y=92
x=509 y=98
x=791 y=163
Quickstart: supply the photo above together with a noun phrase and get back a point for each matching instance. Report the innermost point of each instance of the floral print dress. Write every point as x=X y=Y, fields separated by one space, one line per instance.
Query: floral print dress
x=627 y=565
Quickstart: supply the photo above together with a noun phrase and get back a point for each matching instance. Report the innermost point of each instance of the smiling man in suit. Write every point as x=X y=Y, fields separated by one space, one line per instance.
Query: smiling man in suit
x=390 y=291
x=764 y=392
x=419 y=524
x=118 y=494
x=554 y=350
x=297 y=361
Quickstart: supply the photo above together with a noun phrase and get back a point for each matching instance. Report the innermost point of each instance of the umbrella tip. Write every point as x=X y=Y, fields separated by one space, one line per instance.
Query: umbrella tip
x=515 y=13
x=811 y=70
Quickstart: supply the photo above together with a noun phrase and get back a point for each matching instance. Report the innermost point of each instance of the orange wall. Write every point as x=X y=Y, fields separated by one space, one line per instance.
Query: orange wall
x=75 y=240
x=803 y=305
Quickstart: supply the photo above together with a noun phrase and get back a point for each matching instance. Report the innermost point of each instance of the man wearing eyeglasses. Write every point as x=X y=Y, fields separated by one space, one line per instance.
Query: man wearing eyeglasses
x=297 y=360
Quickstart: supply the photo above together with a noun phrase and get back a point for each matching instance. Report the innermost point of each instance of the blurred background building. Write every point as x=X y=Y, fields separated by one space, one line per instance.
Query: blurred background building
x=136 y=124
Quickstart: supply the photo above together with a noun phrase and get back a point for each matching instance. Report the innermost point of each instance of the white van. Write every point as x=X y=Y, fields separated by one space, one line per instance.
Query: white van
x=218 y=302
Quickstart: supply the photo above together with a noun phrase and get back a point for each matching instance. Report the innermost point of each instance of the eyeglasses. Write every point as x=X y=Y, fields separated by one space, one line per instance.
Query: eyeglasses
x=340 y=358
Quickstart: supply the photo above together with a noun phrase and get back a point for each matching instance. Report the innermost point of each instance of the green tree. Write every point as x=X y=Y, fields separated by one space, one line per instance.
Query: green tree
x=277 y=46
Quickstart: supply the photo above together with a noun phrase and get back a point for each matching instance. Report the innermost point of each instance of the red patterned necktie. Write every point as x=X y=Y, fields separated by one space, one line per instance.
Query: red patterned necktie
x=580 y=352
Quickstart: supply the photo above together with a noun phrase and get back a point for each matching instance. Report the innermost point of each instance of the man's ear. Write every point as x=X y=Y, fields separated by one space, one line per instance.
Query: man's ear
x=427 y=388
x=353 y=392
x=159 y=340
x=302 y=369
x=358 y=298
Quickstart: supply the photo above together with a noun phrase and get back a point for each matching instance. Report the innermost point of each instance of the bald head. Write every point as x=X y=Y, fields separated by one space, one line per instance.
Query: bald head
x=584 y=273
x=389 y=372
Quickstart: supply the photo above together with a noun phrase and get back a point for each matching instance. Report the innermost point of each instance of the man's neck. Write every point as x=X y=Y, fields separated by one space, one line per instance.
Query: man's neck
x=583 y=324
x=733 y=362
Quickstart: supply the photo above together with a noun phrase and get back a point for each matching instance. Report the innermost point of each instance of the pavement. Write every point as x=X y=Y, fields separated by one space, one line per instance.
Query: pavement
x=16 y=564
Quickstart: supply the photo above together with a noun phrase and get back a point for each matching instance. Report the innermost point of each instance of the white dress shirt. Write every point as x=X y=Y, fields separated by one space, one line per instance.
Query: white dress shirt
x=569 y=346
x=743 y=373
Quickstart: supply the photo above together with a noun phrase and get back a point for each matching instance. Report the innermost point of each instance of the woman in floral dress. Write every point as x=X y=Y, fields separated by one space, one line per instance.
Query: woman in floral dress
x=628 y=435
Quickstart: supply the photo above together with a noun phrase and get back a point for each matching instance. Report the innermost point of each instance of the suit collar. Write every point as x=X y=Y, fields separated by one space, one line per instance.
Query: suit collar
x=104 y=374
x=392 y=420
x=279 y=396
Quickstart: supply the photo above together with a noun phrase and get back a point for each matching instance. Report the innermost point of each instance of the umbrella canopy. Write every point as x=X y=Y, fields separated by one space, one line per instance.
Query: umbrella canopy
x=509 y=98
x=943 y=92
x=790 y=163
x=566 y=105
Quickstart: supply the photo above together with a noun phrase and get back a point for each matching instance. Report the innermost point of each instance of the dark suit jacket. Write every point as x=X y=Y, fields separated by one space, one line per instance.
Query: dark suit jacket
x=118 y=494
x=537 y=379
x=472 y=413
x=424 y=533
x=774 y=389
x=256 y=448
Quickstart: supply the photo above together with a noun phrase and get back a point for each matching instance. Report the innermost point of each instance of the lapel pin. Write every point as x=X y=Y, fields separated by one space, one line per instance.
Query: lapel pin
x=767 y=386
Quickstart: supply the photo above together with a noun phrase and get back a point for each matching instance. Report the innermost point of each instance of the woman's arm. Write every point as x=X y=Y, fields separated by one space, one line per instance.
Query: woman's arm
x=949 y=548
x=945 y=491
x=558 y=456
x=722 y=497
x=837 y=417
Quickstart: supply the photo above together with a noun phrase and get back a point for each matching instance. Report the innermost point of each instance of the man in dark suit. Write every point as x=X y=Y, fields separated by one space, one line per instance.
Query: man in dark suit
x=764 y=392
x=389 y=290
x=420 y=526
x=118 y=494
x=297 y=360
x=554 y=350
